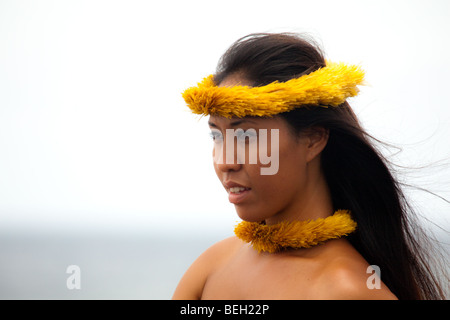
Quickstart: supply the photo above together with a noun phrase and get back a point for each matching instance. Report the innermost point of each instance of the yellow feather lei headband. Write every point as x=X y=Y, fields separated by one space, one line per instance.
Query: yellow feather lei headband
x=327 y=86
x=295 y=234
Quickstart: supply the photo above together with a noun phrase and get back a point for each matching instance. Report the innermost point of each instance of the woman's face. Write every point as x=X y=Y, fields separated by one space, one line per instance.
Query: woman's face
x=279 y=174
x=260 y=189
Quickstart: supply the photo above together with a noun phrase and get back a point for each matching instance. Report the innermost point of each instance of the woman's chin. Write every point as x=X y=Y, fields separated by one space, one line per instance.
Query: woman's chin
x=250 y=214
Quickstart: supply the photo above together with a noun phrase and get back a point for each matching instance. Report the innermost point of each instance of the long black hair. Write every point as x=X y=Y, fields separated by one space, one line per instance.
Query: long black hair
x=359 y=177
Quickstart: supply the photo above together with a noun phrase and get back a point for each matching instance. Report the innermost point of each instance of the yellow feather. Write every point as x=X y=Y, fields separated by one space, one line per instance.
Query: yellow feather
x=295 y=234
x=328 y=86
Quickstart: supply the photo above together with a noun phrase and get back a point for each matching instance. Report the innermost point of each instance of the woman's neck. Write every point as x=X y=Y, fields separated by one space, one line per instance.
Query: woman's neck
x=314 y=201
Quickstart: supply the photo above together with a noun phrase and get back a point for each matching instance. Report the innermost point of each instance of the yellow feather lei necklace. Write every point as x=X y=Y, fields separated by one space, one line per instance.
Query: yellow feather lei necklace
x=295 y=234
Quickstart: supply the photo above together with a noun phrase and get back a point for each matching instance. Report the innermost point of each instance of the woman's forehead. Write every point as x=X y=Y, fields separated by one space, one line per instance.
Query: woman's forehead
x=257 y=122
x=235 y=79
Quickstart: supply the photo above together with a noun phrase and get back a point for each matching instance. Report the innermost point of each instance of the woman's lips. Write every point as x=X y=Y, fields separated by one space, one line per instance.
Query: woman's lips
x=237 y=195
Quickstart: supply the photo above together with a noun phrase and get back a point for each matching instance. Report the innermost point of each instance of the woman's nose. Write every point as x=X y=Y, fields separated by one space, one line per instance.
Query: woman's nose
x=225 y=157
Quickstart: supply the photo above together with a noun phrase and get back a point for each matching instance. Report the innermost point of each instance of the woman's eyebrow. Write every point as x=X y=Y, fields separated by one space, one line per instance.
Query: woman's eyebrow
x=232 y=124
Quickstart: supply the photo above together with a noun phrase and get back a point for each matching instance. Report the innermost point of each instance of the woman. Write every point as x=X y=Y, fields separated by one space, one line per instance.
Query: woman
x=330 y=213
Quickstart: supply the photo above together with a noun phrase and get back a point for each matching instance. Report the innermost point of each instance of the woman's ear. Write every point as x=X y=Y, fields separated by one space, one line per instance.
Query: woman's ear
x=317 y=140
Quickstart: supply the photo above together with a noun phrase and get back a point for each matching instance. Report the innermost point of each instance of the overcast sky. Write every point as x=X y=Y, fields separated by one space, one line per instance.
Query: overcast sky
x=94 y=134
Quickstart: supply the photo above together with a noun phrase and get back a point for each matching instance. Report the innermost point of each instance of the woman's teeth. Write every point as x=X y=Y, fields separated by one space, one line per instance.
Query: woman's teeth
x=237 y=189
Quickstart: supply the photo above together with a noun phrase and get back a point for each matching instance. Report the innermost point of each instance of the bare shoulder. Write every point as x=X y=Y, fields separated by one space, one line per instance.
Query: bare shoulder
x=348 y=276
x=191 y=284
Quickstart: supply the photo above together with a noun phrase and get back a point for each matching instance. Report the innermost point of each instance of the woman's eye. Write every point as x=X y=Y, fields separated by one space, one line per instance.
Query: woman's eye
x=216 y=135
x=249 y=133
x=246 y=136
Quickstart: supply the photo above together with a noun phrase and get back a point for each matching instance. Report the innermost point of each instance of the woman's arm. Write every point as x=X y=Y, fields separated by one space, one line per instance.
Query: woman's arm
x=193 y=281
x=191 y=284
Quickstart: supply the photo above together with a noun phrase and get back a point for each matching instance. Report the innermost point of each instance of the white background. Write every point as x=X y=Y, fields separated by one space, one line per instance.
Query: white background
x=95 y=137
